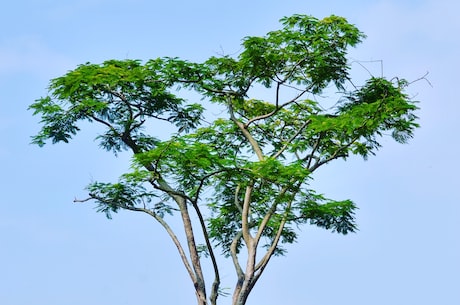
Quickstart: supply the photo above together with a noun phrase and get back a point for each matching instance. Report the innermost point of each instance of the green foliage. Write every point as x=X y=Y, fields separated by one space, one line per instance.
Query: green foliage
x=247 y=171
x=307 y=51
x=128 y=193
x=121 y=95
x=329 y=214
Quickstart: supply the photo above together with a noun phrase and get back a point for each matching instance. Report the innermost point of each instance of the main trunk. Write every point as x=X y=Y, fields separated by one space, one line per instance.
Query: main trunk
x=200 y=298
x=241 y=294
x=245 y=283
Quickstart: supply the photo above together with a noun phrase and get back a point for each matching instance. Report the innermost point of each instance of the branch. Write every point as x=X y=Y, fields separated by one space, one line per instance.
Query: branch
x=105 y=123
x=207 y=88
x=305 y=124
x=246 y=133
x=245 y=216
x=277 y=94
x=236 y=263
x=203 y=179
x=236 y=201
x=315 y=147
x=123 y=98
x=181 y=200
x=422 y=78
x=278 y=108
x=163 y=186
x=162 y=223
x=216 y=283
x=264 y=261
x=335 y=155
x=267 y=217
x=290 y=73
x=82 y=200
x=233 y=251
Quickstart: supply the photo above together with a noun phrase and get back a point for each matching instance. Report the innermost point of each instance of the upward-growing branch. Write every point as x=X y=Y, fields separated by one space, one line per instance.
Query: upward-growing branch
x=198 y=279
x=246 y=133
x=245 y=216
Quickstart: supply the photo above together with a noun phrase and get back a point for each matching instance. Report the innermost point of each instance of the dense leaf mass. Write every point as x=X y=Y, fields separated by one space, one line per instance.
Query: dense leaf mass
x=245 y=171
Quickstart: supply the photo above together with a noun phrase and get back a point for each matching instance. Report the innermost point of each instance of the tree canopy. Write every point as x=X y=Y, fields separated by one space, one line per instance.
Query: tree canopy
x=238 y=180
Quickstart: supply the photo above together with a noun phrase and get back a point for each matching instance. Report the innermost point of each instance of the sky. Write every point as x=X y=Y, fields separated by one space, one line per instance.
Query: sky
x=55 y=252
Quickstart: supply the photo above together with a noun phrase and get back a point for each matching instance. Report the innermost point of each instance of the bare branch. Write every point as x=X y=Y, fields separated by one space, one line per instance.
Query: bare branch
x=245 y=216
x=277 y=94
x=236 y=200
x=82 y=200
x=246 y=133
x=216 y=283
x=264 y=261
x=164 y=224
x=268 y=216
x=313 y=151
x=233 y=251
x=181 y=200
x=424 y=77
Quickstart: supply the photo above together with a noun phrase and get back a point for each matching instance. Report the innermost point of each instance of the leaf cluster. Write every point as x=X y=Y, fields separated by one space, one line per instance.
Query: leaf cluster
x=121 y=95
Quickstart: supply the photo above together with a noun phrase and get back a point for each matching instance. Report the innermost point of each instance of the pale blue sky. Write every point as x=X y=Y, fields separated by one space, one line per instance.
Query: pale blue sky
x=53 y=252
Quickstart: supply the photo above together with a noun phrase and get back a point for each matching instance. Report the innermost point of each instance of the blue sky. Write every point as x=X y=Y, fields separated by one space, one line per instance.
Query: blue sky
x=54 y=252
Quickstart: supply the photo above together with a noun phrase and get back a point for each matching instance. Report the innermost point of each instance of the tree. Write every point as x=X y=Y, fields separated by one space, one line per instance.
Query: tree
x=239 y=182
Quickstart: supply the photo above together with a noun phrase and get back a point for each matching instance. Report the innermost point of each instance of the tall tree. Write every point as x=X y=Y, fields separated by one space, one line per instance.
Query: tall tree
x=240 y=182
